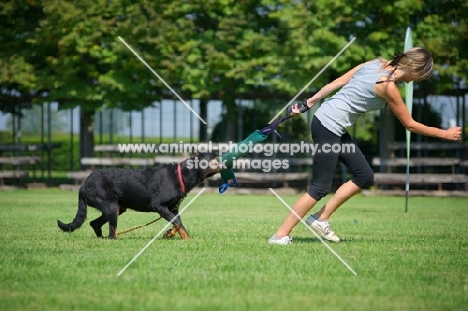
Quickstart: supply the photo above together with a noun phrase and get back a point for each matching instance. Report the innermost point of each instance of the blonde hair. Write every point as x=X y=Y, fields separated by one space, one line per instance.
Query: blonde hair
x=416 y=60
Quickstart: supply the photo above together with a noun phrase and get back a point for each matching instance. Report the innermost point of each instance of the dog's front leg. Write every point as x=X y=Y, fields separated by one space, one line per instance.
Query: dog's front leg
x=182 y=232
x=178 y=227
x=170 y=233
x=176 y=222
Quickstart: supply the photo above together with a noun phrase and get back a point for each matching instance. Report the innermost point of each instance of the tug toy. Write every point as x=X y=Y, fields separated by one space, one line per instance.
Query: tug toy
x=228 y=158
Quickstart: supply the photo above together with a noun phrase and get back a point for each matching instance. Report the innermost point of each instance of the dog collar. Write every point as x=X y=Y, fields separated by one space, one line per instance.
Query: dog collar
x=181 y=181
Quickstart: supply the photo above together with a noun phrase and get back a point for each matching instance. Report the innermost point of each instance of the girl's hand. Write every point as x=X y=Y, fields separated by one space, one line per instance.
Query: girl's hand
x=294 y=109
x=298 y=108
x=453 y=133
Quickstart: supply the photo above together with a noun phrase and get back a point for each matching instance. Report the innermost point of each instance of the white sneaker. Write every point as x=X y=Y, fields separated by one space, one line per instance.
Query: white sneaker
x=283 y=241
x=323 y=228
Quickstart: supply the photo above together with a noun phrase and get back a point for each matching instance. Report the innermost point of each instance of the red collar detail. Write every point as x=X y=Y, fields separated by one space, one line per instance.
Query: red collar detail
x=181 y=181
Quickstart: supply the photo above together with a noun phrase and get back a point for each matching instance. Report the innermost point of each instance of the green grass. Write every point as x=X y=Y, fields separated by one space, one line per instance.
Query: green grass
x=404 y=261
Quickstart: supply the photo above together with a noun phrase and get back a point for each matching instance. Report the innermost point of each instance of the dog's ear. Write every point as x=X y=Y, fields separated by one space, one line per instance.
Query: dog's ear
x=195 y=154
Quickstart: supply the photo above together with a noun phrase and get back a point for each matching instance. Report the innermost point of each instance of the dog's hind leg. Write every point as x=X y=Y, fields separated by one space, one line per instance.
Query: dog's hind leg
x=97 y=224
x=112 y=216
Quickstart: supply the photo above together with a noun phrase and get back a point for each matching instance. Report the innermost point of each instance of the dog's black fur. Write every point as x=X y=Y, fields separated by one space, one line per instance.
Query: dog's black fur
x=156 y=189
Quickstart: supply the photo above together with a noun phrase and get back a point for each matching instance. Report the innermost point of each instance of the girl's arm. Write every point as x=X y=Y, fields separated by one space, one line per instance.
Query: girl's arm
x=327 y=89
x=332 y=86
x=390 y=92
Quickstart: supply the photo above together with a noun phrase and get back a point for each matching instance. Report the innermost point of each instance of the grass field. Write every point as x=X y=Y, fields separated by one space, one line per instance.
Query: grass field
x=404 y=261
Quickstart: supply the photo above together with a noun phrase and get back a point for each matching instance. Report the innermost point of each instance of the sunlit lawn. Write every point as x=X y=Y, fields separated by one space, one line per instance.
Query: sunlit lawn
x=404 y=261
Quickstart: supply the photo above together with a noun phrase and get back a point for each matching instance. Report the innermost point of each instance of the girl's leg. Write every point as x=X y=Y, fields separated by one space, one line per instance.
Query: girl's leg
x=342 y=194
x=301 y=207
x=323 y=170
x=363 y=176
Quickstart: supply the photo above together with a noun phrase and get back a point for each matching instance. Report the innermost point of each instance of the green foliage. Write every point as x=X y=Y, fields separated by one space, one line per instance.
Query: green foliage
x=89 y=66
x=404 y=261
x=209 y=47
x=18 y=82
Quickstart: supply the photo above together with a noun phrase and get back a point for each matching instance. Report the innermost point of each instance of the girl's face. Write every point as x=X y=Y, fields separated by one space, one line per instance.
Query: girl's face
x=409 y=76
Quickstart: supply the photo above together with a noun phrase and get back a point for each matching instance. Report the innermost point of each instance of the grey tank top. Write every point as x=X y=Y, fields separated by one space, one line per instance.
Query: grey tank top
x=353 y=100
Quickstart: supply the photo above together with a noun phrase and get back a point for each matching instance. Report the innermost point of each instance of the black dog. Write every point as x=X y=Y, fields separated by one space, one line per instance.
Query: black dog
x=159 y=189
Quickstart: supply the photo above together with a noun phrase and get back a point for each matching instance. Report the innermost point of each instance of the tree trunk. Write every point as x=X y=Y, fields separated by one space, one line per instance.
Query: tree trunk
x=86 y=135
x=203 y=130
x=230 y=119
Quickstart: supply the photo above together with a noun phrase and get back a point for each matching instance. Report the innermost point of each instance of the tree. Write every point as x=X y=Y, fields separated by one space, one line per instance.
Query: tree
x=18 y=83
x=85 y=64
x=215 y=48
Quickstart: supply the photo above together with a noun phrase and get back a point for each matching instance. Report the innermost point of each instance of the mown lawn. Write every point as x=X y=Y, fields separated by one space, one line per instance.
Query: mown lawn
x=404 y=261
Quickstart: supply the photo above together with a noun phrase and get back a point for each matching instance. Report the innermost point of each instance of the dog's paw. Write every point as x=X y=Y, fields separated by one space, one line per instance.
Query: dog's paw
x=110 y=238
x=169 y=234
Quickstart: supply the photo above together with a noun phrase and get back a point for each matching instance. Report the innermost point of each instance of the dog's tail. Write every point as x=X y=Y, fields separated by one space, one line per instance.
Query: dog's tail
x=80 y=215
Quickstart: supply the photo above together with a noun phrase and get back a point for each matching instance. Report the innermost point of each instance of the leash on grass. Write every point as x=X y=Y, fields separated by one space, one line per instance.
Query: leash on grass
x=140 y=226
x=151 y=222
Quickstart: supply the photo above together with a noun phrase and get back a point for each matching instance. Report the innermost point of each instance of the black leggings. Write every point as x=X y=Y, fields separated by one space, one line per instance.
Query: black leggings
x=332 y=148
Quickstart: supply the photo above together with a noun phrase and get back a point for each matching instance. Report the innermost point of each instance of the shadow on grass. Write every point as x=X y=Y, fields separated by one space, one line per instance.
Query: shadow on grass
x=316 y=240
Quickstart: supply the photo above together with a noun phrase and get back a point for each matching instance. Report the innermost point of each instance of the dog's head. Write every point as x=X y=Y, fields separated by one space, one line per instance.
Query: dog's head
x=203 y=164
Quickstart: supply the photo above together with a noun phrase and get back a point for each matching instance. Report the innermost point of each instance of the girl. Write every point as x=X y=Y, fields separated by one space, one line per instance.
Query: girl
x=364 y=88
